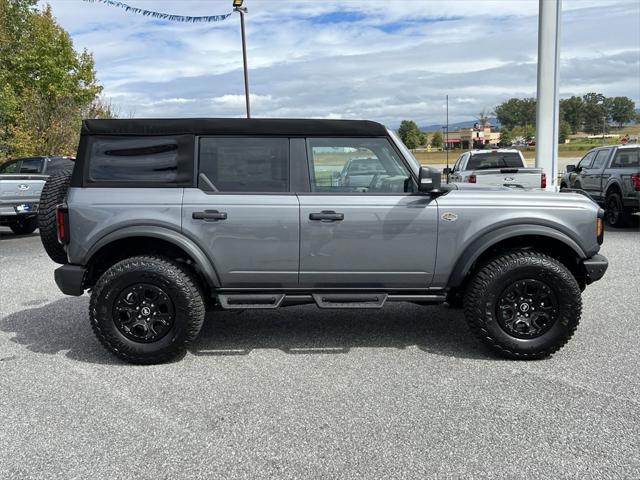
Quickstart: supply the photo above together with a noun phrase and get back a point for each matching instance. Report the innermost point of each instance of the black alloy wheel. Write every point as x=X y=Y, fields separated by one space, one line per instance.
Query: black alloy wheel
x=143 y=313
x=527 y=308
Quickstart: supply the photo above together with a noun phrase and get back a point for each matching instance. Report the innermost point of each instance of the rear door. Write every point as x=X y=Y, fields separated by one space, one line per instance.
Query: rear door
x=378 y=235
x=242 y=212
x=592 y=176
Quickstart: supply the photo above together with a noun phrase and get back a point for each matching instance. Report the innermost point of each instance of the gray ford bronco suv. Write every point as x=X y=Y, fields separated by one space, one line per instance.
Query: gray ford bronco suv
x=162 y=220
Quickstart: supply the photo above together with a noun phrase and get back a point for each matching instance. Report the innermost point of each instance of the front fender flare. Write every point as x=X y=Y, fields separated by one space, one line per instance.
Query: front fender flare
x=176 y=238
x=487 y=240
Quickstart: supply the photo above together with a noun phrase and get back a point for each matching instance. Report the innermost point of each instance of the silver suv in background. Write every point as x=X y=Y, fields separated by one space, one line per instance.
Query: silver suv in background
x=611 y=176
x=162 y=219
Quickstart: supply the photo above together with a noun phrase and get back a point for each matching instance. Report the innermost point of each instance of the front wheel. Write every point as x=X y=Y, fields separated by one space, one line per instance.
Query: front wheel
x=24 y=226
x=146 y=309
x=523 y=305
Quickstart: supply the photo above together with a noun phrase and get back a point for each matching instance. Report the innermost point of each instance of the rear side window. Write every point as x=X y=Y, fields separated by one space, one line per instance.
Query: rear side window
x=480 y=161
x=626 y=158
x=31 y=165
x=245 y=164
x=151 y=161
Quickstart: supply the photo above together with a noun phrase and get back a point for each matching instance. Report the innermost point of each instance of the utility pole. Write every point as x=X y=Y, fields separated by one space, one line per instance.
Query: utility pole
x=547 y=110
x=237 y=7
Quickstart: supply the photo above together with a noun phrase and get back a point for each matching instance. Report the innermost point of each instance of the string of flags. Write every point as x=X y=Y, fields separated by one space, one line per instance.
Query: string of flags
x=164 y=16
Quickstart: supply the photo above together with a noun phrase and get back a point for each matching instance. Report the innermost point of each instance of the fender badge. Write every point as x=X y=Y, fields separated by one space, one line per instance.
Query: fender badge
x=449 y=216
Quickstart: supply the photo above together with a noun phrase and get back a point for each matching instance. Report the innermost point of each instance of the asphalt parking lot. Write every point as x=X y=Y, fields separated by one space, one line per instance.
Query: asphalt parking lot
x=400 y=393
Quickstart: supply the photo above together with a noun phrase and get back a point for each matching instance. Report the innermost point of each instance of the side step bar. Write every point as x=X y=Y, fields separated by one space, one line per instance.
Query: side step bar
x=247 y=301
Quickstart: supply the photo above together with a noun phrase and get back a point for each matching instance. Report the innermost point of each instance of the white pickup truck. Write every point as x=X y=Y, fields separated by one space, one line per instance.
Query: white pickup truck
x=21 y=183
x=504 y=167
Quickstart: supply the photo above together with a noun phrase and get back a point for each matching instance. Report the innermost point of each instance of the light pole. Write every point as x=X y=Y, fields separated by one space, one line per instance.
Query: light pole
x=237 y=7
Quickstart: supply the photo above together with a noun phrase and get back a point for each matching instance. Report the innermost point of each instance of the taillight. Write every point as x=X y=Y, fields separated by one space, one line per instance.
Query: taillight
x=62 y=224
x=543 y=180
x=471 y=179
x=635 y=179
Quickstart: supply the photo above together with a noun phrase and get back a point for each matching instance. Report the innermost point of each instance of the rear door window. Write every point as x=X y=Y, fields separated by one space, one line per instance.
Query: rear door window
x=626 y=158
x=245 y=164
x=31 y=165
x=601 y=158
x=144 y=161
x=481 y=161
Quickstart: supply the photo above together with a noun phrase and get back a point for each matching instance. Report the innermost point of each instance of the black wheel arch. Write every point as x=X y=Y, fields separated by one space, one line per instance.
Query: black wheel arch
x=146 y=240
x=517 y=237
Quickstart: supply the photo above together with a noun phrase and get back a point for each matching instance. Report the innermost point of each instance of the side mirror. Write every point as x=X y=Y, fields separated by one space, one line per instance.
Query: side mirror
x=571 y=168
x=429 y=180
x=447 y=171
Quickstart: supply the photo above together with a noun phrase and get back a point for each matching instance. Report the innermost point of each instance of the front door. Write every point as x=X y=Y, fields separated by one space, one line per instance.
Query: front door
x=592 y=176
x=361 y=225
x=243 y=215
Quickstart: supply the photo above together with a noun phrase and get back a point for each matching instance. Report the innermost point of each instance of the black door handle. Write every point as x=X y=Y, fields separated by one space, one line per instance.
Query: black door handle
x=209 y=215
x=327 y=216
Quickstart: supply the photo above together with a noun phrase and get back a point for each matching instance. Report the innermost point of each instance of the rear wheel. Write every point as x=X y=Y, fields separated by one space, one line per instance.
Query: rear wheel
x=54 y=193
x=146 y=309
x=523 y=305
x=617 y=215
x=24 y=226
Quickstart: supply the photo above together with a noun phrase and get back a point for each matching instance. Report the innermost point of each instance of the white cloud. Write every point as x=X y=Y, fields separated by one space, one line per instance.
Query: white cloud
x=383 y=60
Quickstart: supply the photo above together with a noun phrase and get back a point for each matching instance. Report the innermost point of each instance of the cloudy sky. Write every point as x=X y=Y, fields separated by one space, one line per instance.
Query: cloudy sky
x=380 y=60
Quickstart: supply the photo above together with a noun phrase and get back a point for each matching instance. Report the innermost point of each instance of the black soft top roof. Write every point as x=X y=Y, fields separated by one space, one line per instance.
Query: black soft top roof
x=233 y=126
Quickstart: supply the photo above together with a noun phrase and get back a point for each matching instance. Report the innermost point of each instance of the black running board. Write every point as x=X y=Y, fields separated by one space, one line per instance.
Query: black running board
x=247 y=301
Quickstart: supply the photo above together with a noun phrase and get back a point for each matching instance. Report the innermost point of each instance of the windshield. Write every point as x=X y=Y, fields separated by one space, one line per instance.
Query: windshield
x=481 y=161
x=405 y=151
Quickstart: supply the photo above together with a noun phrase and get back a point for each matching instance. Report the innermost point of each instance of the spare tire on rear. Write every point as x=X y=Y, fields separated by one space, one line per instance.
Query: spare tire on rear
x=54 y=193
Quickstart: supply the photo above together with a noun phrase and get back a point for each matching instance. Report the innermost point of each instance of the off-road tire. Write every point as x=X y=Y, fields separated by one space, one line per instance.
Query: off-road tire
x=617 y=216
x=173 y=278
x=24 y=226
x=494 y=277
x=54 y=193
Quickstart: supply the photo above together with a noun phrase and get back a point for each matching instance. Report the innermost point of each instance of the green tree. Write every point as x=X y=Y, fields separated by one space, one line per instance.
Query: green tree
x=410 y=134
x=564 y=131
x=45 y=85
x=571 y=111
x=506 y=137
x=622 y=110
x=517 y=112
x=436 y=139
x=595 y=113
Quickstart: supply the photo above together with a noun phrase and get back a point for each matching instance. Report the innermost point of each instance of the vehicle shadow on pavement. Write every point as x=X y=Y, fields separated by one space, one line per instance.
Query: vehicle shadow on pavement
x=308 y=330
x=6 y=234
x=63 y=326
x=60 y=326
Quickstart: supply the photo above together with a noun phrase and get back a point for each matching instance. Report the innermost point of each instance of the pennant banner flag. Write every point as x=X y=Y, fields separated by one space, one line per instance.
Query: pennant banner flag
x=164 y=16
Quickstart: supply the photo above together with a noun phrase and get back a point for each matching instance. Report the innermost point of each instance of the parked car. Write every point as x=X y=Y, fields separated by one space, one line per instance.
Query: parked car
x=164 y=218
x=611 y=176
x=21 y=183
x=361 y=172
x=502 y=166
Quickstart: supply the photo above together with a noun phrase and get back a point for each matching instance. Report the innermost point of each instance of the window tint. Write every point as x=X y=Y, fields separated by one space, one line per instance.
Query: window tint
x=456 y=167
x=586 y=160
x=31 y=165
x=601 y=157
x=146 y=160
x=10 y=167
x=356 y=165
x=626 y=158
x=480 y=161
x=246 y=164
x=58 y=164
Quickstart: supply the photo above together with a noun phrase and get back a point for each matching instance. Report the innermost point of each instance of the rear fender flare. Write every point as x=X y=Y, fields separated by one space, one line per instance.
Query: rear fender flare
x=166 y=234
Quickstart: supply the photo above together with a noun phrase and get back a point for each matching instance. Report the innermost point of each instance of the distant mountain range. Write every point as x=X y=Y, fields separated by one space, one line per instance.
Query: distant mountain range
x=455 y=126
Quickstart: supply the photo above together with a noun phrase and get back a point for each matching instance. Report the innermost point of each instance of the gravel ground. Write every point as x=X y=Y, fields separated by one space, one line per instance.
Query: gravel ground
x=400 y=393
